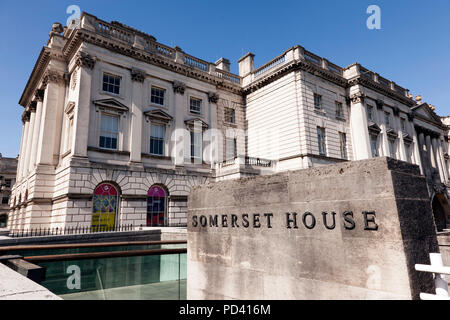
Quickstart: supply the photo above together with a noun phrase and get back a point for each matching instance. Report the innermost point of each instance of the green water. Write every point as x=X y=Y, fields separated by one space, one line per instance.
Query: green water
x=140 y=277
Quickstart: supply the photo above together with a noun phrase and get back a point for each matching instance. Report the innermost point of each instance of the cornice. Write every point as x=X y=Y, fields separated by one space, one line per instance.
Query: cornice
x=359 y=80
x=295 y=65
x=82 y=35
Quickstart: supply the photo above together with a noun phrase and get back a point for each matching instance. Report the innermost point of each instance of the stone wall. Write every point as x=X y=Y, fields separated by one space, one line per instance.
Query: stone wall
x=348 y=231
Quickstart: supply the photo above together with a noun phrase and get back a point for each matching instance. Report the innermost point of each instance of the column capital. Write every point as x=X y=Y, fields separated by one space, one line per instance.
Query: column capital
x=54 y=76
x=379 y=103
x=178 y=87
x=32 y=106
x=213 y=97
x=357 y=97
x=137 y=75
x=84 y=59
x=39 y=95
x=26 y=116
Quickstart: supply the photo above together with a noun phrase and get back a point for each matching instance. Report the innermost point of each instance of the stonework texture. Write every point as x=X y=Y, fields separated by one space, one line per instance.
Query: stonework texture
x=371 y=258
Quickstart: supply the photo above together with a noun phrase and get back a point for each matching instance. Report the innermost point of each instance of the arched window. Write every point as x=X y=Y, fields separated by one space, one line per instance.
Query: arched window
x=104 y=211
x=156 y=207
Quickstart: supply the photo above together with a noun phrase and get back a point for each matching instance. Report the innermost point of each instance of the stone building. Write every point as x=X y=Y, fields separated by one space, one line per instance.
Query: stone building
x=117 y=127
x=8 y=168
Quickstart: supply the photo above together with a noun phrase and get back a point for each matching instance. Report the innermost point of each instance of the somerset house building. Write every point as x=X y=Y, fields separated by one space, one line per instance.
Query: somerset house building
x=117 y=128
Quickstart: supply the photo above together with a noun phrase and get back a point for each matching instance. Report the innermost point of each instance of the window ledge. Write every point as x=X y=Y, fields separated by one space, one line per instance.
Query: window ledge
x=109 y=151
x=230 y=124
x=341 y=118
x=154 y=156
x=320 y=111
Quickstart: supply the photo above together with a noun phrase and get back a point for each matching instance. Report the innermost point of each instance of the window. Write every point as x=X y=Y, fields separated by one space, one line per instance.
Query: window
x=403 y=124
x=196 y=145
x=339 y=110
x=157 y=140
x=374 y=145
x=231 y=150
x=156 y=207
x=5 y=200
x=370 y=113
x=111 y=83
x=157 y=96
x=321 y=140
x=196 y=105
x=343 y=143
x=104 y=207
x=317 y=101
x=392 y=150
x=387 y=117
x=230 y=115
x=109 y=131
x=408 y=152
x=8 y=183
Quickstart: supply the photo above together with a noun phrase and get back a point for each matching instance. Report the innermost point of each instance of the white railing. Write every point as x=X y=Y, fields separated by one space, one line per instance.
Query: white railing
x=271 y=64
x=228 y=76
x=439 y=272
x=195 y=63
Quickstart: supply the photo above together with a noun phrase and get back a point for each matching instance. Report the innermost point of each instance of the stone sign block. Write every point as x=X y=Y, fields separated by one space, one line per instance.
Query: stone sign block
x=348 y=231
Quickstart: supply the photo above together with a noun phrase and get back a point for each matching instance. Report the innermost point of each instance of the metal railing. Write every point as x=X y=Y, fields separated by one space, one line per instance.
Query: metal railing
x=41 y=232
x=439 y=272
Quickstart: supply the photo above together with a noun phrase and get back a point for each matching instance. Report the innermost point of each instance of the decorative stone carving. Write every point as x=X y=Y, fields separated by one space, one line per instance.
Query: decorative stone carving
x=25 y=116
x=74 y=80
x=379 y=103
x=53 y=76
x=32 y=106
x=213 y=97
x=357 y=98
x=179 y=87
x=39 y=94
x=396 y=111
x=57 y=28
x=85 y=60
x=410 y=116
x=137 y=75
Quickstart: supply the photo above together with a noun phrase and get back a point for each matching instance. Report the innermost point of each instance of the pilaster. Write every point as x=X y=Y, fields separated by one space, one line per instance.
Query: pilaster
x=138 y=77
x=359 y=126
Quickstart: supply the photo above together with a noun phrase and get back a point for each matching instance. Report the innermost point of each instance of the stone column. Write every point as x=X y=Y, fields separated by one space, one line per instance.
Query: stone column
x=37 y=125
x=138 y=77
x=437 y=158
x=80 y=136
x=401 y=143
x=53 y=99
x=31 y=138
x=180 y=107
x=425 y=164
x=213 y=99
x=26 y=119
x=359 y=126
x=430 y=152
x=19 y=162
x=416 y=152
x=443 y=163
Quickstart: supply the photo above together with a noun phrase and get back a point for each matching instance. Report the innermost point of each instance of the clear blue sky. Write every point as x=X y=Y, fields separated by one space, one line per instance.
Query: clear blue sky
x=412 y=48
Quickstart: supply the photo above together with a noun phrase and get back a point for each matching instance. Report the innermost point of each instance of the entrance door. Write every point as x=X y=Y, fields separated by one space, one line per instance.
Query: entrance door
x=104 y=207
x=156 y=207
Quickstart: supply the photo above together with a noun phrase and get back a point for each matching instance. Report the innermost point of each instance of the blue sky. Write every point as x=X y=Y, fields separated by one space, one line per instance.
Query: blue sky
x=412 y=48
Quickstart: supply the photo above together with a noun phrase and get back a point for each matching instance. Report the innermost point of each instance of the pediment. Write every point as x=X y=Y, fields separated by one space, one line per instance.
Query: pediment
x=425 y=111
x=392 y=133
x=407 y=138
x=111 y=104
x=158 y=115
x=191 y=123
x=374 y=128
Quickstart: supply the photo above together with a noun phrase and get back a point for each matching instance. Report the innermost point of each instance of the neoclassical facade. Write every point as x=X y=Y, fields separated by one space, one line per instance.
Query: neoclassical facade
x=117 y=127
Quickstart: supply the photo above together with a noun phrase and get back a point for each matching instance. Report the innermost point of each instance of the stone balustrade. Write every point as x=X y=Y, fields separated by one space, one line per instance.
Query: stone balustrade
x=146 y=42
